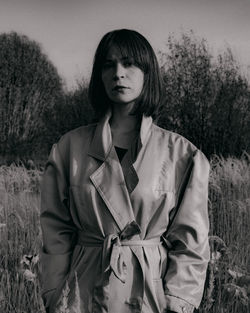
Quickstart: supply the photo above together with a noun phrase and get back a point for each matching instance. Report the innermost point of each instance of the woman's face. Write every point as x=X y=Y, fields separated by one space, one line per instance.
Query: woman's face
x=122 y=79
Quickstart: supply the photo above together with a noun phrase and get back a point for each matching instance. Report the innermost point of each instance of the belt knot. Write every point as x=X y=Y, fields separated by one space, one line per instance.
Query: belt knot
x=113 y=258
x=112 y=254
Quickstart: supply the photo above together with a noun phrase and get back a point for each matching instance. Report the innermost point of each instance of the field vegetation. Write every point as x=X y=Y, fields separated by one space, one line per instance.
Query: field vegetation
x=228 y=280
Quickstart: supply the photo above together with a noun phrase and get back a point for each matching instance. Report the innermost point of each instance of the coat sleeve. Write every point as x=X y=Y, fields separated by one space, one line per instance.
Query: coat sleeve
x=57 y=226
x=188 y=254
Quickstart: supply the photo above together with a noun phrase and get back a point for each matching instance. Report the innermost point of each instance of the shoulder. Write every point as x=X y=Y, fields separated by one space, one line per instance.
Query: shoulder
x=172 y=139
x=182 y=154
x=78 y=135
x=177 y=146
x=73 y=142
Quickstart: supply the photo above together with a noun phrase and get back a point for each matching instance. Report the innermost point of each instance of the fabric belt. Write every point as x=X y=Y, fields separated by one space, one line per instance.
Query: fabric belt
x=112 y=252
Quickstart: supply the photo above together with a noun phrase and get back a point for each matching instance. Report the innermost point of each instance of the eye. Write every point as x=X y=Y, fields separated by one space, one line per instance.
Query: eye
x=128 y=62
x=107 y=64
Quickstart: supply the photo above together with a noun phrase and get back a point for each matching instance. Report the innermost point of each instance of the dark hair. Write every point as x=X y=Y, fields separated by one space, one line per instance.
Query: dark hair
x=131 y=44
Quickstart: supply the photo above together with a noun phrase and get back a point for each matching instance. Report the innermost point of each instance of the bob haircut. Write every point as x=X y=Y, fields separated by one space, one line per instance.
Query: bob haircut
x=133 y=45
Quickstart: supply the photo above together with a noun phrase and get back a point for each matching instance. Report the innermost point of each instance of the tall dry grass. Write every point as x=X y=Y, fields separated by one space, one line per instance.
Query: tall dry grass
x=228 y=281
x=20 y=240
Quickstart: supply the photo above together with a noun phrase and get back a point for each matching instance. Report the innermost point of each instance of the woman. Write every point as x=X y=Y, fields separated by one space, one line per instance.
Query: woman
x=124 y=202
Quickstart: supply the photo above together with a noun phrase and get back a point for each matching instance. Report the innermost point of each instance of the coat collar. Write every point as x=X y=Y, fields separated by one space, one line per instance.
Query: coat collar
x=101 y=144
x=114 y=181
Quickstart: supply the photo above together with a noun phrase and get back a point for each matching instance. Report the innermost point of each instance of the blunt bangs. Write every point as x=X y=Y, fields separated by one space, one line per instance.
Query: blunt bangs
x=132 y=45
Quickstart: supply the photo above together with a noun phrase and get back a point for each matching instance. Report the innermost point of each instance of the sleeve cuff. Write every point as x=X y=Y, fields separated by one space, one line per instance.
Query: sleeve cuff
x=47 y=297
x=178 y=305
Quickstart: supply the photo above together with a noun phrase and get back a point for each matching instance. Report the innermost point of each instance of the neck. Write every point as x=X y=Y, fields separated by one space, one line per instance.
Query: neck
x=122 y=121
x=124 y=127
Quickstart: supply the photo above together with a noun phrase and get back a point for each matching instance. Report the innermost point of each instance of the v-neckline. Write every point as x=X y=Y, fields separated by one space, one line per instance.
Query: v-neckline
x=120 y=152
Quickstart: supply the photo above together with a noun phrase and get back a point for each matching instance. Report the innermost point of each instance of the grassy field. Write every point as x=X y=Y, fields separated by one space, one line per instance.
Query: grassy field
x=228 y=280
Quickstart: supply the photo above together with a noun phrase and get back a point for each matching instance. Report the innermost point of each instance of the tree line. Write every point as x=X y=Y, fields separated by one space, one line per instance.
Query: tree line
x=205 y=98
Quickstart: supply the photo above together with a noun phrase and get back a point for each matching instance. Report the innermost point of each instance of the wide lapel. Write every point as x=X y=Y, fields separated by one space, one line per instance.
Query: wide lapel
x=128 y=162
x=108 y=179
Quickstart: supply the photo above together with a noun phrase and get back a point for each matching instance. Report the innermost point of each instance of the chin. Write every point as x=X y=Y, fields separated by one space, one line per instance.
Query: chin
x=122 y=101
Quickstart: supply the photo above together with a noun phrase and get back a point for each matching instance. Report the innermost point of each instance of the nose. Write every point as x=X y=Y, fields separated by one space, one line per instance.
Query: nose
x=119 y=71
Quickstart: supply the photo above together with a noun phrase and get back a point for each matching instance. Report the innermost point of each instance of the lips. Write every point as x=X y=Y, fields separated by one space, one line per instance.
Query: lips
x=119 y=87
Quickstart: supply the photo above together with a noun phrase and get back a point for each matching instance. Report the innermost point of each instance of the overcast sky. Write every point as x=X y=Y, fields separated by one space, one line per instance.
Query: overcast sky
x=69 y=30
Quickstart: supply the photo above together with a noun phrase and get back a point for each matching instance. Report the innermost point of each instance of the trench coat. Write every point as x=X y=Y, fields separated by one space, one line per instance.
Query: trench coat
x=129 y=236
